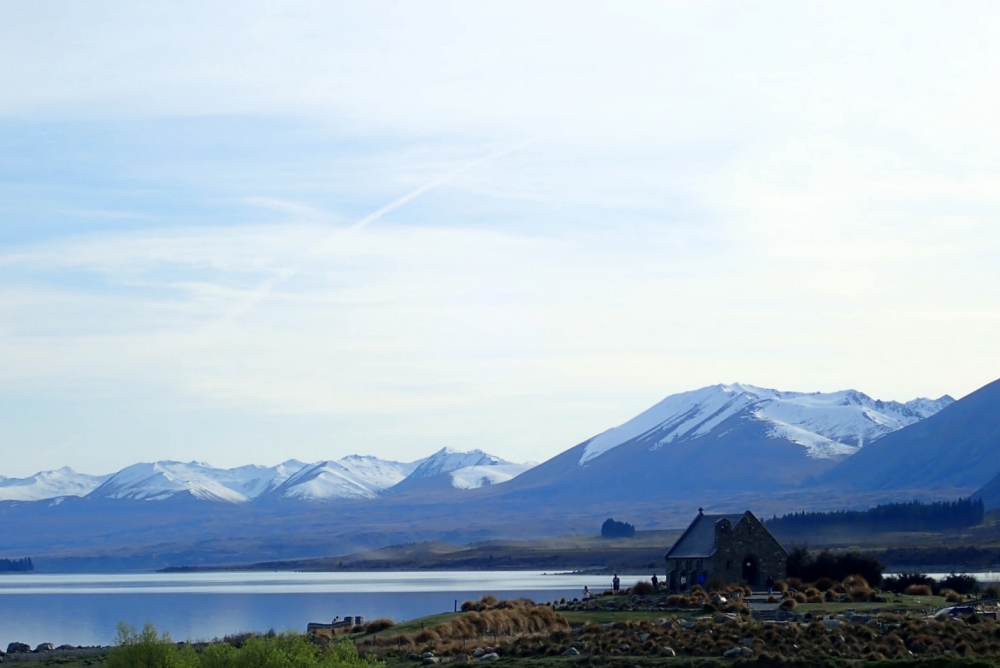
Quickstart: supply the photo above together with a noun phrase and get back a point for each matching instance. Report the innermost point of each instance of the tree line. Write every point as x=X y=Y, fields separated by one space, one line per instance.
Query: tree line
x=16 y=565
x=912 y=516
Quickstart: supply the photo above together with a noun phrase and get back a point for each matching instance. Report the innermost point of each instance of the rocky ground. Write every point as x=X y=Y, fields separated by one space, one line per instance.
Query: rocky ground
x=48 y=653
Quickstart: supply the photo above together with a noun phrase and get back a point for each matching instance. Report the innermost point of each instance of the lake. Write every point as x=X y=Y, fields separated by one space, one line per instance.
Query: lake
x=86 y=609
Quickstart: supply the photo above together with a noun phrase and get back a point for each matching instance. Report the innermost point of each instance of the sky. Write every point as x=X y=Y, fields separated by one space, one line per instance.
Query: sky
x=248 y=232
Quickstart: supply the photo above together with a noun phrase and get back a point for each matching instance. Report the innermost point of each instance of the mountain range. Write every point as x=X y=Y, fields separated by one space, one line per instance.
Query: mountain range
x=353 y=477
x=728 y=447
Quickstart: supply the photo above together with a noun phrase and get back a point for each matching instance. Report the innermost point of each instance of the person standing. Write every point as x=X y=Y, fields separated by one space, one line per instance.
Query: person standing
x=615 y=584
x=684 y=581
x=656 y=582
x=770 y=585
x=586 y=593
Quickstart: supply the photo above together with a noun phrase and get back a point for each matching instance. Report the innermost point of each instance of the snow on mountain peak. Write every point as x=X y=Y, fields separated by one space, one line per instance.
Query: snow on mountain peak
x=473 y=477
x=353 y=477
x=49 y=485
x=828 y=425
x=447 y=459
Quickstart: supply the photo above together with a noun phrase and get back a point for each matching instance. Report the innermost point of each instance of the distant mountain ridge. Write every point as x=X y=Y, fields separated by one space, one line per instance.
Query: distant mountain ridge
x=958 y=448
x=726 y=446
x=352 y=477
x=829 y=426
x=723 y=440
x=784 y=437
x=49 y=485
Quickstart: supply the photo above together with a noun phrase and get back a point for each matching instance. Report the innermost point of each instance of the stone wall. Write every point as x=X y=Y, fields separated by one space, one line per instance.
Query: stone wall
x=748 y=539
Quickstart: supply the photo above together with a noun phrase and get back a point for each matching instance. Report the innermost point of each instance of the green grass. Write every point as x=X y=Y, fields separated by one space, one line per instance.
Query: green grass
x=413 y=626
x=577 y=617
x=906 y=603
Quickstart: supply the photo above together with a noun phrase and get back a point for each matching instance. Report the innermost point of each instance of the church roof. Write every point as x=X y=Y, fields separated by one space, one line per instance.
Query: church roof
x=698 y=542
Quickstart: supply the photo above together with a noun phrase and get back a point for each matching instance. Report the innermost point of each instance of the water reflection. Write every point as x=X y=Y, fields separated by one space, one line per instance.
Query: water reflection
x=85 y=609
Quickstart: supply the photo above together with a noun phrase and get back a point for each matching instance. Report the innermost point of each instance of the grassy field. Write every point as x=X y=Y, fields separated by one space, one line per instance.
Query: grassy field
x=641 y=554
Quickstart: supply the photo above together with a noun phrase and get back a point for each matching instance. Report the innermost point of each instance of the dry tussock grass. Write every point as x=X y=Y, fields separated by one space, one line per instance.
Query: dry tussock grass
x=918 y=590
x=951 y=596
x=506 y=619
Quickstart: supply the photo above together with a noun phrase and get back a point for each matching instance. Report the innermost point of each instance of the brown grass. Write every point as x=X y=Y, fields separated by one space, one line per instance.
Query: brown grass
x=377 y=625
x=788 y=604
x=918 y=590
x=951 y=596
x=641 y=588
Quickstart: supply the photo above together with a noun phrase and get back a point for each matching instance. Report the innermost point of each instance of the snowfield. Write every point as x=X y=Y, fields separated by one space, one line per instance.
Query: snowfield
x=828 y=426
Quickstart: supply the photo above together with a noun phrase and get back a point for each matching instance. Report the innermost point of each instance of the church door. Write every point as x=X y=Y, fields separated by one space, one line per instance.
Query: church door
x=750 y=571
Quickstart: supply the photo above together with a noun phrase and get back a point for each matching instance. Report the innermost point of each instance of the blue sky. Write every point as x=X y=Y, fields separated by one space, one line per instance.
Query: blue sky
x=614 y=204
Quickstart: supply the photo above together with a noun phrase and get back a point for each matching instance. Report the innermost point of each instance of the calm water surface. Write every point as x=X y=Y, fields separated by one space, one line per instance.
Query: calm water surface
x=86 y=609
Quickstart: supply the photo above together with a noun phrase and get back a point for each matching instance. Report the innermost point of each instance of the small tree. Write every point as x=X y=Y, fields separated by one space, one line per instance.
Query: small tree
x=147 y=649
x=613 y=529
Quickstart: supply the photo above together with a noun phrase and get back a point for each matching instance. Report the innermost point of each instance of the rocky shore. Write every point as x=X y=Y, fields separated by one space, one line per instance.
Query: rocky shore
x=22 y=652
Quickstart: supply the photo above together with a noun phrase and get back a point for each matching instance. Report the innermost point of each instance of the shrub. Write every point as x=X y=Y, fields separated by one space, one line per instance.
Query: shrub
x=860 y=595
x=951 y=596
x=788 y=604
x=900 y=583
x=992 y=591
x=146 y=649
x=963 y=584
x=614 y=529
x=379 y=625
x=642 y=588
x=469 y=605
x=802 y=564
x=918 y=590
x=427 y=637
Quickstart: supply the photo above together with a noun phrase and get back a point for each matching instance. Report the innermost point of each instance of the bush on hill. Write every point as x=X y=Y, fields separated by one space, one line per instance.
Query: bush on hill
x=614 y=529
x=806 y=567
x=148 y=649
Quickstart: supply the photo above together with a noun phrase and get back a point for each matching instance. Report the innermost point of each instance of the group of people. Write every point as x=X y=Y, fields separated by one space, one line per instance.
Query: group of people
x=683 y=582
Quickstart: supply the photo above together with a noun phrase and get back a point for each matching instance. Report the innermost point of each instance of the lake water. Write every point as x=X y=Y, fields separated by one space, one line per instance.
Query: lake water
x=86 y=609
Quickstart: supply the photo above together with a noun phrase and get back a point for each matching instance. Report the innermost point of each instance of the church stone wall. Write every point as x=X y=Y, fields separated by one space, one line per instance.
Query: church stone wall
x=748 y=539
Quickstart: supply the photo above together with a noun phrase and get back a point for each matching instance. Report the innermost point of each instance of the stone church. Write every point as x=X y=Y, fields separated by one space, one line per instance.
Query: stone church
x=736 y=548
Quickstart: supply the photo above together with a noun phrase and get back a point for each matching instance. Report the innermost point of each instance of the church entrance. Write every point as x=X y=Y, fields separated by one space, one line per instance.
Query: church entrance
x=750 y=574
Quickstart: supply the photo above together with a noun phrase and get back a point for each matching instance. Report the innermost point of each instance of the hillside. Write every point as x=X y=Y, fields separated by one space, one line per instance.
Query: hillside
x=958 y=448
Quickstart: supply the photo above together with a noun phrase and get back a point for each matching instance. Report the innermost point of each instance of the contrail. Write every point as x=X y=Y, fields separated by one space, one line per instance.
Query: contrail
x=371 y=218
x=268 y=286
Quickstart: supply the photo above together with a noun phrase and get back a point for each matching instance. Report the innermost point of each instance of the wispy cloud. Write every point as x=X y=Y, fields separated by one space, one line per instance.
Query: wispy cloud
x=791 y=195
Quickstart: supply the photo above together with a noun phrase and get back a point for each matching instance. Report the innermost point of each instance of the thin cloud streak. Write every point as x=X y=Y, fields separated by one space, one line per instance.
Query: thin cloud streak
x=267 y=287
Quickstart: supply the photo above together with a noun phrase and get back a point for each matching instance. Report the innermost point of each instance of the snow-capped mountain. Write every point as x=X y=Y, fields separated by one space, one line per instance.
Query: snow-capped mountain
x=254 y=480
x=353 y=477
x=829 y=426
x=452 y=469
x=158 y=481
x=447 y=459
x=720 y=441
x=49 y=485
x=472 y=477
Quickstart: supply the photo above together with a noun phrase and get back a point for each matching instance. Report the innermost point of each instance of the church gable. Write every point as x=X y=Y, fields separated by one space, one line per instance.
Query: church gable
x=736 y=548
